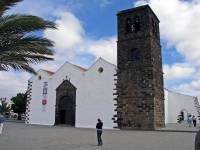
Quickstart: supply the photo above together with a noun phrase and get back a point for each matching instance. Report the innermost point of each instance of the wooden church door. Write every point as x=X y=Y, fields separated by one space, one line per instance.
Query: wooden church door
x=65 y=104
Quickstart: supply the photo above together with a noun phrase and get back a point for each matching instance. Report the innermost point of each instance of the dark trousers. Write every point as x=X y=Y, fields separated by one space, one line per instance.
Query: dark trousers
x=99 y=133
x=195 y=123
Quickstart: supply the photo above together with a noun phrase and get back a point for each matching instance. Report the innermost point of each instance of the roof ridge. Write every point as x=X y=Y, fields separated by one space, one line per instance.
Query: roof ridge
x=49 y=72
x=80 y=67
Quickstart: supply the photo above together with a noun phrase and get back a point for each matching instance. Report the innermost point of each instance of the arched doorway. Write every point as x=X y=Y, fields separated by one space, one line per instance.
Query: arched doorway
x=65 y=104
x=184 y=114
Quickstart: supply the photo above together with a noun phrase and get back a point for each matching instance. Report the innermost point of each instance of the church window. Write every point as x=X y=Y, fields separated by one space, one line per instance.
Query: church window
x=44 y=90
x=137 y=23
x=155 y=28
x=100 y=70
x=132 y=28
x=134 y=54
x=39 y=77
x=129 y=27
x=45 y=84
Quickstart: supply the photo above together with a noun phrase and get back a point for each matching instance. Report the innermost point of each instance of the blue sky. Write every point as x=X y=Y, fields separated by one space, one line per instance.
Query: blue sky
x=87 y=29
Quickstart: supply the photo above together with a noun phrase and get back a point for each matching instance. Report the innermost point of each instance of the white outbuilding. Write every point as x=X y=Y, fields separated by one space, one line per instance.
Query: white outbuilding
x=77 y=96
x=180 y=105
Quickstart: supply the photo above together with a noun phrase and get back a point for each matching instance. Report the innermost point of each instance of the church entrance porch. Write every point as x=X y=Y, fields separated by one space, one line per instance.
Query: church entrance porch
x=65 y=104
x=183 y=115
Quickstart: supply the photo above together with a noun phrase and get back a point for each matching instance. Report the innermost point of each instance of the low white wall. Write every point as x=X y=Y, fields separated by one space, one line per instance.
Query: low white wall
x=176 y=102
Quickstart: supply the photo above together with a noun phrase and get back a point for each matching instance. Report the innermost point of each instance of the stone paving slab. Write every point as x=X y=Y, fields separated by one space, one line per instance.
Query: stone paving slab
x=18 y=136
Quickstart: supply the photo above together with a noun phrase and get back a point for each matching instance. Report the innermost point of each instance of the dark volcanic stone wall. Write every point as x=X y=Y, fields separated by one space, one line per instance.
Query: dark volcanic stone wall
x=140 y=95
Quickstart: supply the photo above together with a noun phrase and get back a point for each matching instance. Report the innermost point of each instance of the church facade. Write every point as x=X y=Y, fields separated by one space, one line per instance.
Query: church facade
x=129 y=95
x=76 y=97
x=73 y=96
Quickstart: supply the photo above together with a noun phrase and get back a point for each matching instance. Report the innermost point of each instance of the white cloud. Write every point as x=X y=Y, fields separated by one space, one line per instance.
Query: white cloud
x=180 y=28
x=104 y=3
x=179 y=25
x=193 y=87
x=105 y=48
x=33 y=8
x=70 y=40
x=38 y=9
x=140 y=2
x=69 y=34
x=178 y=71
x=12 y=83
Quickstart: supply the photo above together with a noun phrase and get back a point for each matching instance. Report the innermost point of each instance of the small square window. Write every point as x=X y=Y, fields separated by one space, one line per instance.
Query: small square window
x=44 y=90
x=129 y=27
x=134 y=54
x=39 y=77
x=45 y=84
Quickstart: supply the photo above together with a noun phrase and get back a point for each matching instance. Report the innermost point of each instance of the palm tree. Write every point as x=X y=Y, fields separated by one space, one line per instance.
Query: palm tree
x=4 y=107
x=18 y=47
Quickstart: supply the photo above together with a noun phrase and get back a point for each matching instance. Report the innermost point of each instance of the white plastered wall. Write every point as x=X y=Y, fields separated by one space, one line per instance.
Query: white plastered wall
x=94 y=94
x=175 y=102
x=95 y=100
x=37 y=115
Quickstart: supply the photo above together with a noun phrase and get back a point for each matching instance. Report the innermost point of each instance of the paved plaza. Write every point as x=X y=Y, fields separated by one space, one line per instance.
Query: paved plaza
x=18 y=136
x=183 y=127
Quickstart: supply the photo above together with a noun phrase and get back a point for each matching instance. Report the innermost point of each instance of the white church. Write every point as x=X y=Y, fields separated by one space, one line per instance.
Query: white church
x=76 y=96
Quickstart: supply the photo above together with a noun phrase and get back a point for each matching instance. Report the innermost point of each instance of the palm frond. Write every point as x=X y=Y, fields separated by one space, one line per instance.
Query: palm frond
x=17 y=50
x=32 y=44
x=17 y=67
x=20 y=24
x=6 y=4
x=2 y=68
x=23 y=57
x=21 y=61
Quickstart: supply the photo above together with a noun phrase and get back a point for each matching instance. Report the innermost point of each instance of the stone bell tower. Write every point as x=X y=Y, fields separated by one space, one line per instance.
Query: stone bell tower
x=140 y=93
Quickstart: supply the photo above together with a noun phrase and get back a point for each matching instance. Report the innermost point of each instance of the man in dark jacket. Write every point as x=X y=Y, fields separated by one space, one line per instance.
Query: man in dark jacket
x=99 y=127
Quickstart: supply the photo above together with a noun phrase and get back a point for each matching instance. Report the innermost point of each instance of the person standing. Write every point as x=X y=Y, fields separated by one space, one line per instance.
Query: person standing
x=194 y=120
x=1 y=123
x=189 y=120
x=99 y=127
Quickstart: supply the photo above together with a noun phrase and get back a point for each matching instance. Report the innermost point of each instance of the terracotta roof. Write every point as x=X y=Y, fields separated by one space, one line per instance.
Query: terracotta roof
x=80 y=68
x=49 y=72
